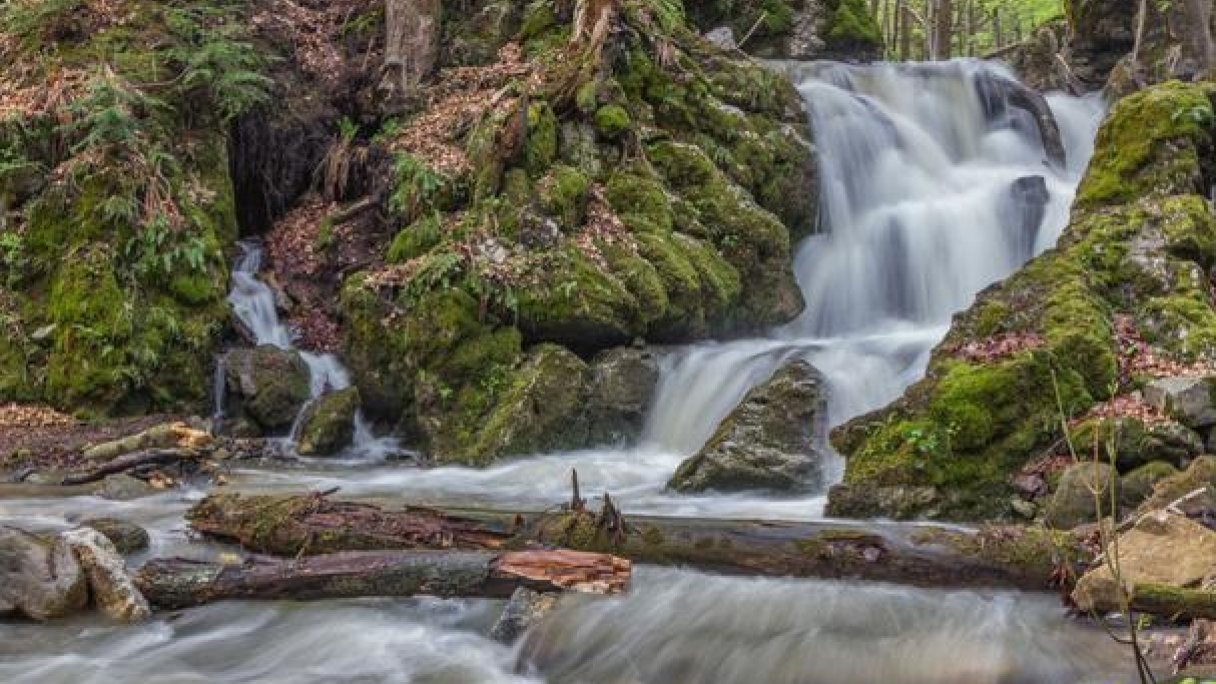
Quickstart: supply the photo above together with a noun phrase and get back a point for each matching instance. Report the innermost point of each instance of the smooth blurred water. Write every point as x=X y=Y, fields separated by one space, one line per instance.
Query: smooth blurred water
x=917 y=218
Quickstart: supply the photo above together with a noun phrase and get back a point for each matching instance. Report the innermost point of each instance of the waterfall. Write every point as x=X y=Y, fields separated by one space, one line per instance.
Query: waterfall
x=253 y=302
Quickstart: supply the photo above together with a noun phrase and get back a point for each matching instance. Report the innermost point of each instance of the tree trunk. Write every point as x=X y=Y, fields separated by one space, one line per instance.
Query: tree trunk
x=411 y=48
x=178 y=582
x=997 y=38
x=902 y=22
x=918 y=555
x=1197 y=26
x=943 y=26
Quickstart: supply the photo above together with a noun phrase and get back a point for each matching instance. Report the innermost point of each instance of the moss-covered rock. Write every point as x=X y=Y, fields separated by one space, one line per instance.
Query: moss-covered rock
x=771 y=441
x=115 y=263
x=268 y=385
x=1135 y=443
x=797 y=29
x=1137 y=486
x=1136 y=247
x=1082 y=495
x=328 y=423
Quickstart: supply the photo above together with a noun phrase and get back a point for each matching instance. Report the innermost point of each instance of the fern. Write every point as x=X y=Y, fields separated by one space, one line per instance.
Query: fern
x=216 y=58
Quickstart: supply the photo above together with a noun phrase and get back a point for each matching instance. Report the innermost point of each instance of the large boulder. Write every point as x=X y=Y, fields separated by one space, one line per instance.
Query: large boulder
x=1083 y=492
x=1137 y=486
x=113 y=592
x=39 y=578
x=268 y=384
x=127 y=537
x=1190 y=400
x=622 y=384
x=1162 y=549
x=1192 y=491
x=328 y=424
x=773 y=440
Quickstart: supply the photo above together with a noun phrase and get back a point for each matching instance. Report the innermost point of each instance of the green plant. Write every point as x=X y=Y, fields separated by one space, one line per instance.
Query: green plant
x=416 y=187
x=214 y=56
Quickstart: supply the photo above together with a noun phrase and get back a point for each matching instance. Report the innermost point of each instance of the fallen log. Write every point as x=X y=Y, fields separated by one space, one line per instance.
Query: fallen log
x=998 y=556
x=178 y=583
x=316 y=524
x=165 y=436
x=130 y=461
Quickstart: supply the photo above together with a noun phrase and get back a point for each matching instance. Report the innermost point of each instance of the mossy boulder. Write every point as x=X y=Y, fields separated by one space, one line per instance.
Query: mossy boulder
x=1136 y=443
x=328 y=423
x=1198 y=482
x=1135 y=250
x=772 y=441
x=126 y=537
x=267 y=384
x=116 y=272
x=1082 y=494
x=40 y=579
x=1137 y=486
x=1192 y=400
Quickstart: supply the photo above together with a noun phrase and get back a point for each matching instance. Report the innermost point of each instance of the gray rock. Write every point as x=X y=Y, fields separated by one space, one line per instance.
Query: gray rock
x=127 y=537
x=1187 y=400
x=113 y=592
x=523 y=610
x=622 y=385
x=1137 y=486
x=124 y=488
x=723 y=37
x=1073 y=502
x=328 y=424
x=773 y=440
x=1136 y=443
x=267 y=384
x=39 y=579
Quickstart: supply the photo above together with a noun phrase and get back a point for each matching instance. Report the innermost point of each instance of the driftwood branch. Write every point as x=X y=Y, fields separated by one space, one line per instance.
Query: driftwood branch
x=177 y=582
x=130 y=461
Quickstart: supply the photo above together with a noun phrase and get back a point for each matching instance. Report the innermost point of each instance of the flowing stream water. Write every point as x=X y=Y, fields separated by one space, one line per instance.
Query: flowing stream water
x=930 y=190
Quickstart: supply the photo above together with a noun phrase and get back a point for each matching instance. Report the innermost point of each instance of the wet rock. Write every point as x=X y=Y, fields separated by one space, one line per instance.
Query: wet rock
x=39 y=579
x=328 y=424
x=1038 y=61
x=1082 y=489
x=524 y=609
x=127 y=537
x=1026 y=207
x=771 y=441
x=1137 y=486
x=124 y=488
x=1161 y=549
x=900 y=502
x=1190 y=401
x=113 y=591
x=622 y=384
x=268 y=384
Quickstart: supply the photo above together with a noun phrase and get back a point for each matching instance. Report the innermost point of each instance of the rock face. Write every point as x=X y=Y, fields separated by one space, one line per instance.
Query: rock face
x=111 y=587
x=1134 y=257
x=771 y=441
x=1191 y=401
x=268 y=384
x=1162 y=549
x=328 y=424
x=125 y=536
x=1083 y=490
x=39 y=579
x=1137 y=443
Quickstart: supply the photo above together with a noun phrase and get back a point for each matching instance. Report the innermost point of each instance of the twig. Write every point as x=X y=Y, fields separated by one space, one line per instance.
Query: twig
x=752 y=30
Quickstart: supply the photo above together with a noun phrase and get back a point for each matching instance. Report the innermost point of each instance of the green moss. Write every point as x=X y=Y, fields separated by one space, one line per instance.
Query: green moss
x=564 y=195
x=853 y=25
x=541 y=148
x=419 y=238
x=612 y=120
x=1150 y=145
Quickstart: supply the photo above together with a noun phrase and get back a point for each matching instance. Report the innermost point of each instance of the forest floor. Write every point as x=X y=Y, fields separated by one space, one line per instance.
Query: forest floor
x=33 y=436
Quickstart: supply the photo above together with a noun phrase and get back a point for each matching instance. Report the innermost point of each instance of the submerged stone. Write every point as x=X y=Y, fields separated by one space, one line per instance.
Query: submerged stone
x=268 y=384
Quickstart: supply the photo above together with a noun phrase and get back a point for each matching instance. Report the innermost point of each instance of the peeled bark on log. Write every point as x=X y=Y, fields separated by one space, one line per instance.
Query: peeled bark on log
x=1021 y=557
x=315 y=524
x=178 y=583
x=166 y=436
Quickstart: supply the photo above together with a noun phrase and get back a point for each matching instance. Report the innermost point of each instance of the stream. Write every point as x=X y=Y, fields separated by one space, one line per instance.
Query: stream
x=919 y=212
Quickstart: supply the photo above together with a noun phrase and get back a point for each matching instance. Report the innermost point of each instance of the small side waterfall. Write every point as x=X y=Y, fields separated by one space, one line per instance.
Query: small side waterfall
x=254 y=304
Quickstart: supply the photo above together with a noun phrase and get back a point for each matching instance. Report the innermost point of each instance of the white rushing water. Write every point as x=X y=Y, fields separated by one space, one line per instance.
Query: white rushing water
x=918 y=215
x=254 y=304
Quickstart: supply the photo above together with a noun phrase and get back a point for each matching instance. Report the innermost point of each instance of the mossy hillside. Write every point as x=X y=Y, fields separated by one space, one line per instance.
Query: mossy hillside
x=948 y=448
x=844 y=29
x=121 y=269
x=646 y=188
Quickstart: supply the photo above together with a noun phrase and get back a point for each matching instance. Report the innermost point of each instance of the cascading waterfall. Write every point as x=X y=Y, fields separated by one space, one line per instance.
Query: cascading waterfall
x=925 y=200
x=254 y=304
